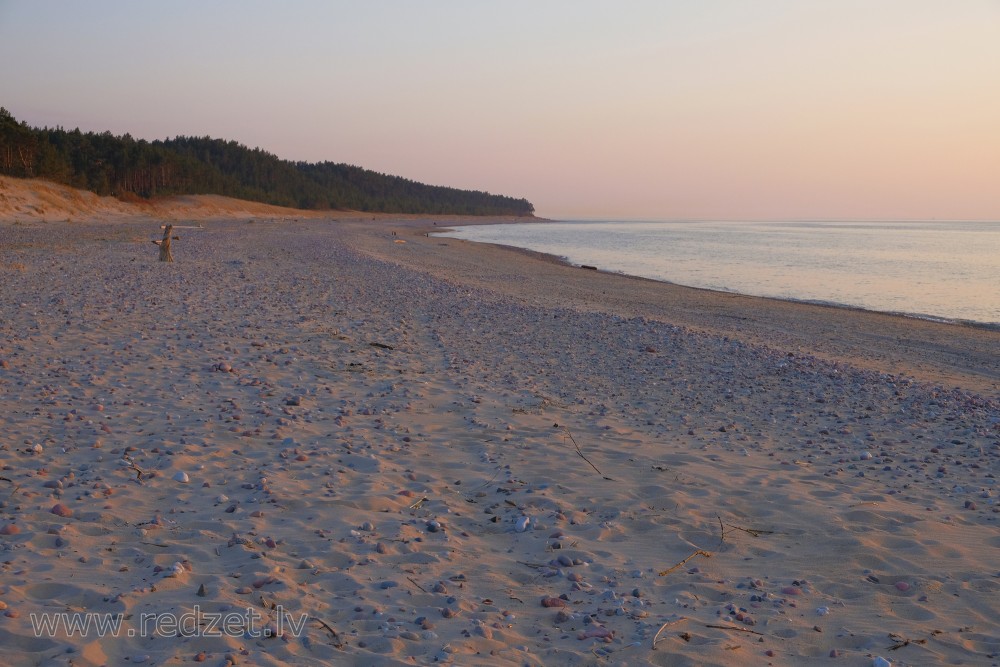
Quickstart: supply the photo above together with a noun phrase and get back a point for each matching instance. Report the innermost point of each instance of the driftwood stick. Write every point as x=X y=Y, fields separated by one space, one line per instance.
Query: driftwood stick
x=580 y=453
x=336 y=637
x=734 y=628
x=664 y=627
x=699 y=552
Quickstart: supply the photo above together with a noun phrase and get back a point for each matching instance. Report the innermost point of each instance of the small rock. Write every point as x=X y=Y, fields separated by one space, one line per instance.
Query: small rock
x=10 y=529
x=182 y=477
x=61 y=510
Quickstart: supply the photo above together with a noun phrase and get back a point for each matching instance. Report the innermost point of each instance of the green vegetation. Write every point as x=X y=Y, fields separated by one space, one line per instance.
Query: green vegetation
x=123 y=166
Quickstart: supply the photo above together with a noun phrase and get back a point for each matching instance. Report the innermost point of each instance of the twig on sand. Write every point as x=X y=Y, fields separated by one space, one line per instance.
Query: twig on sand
x=14 y=490
x=902 y=641
x=382 y=345
x=580 y=452
x=412 y=581
x=734 y=628
x=131 y=464
x=756 y=532
x=536 y=566
x=699 y=552
x=469 y=498
x=416 y=504
x=336 y=637
x=664 y=627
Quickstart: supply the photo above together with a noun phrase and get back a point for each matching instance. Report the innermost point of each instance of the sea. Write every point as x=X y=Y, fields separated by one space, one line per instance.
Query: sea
x=938 y=270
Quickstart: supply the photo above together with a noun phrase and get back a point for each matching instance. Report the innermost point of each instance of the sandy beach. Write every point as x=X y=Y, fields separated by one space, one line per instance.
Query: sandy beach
x=317 y=439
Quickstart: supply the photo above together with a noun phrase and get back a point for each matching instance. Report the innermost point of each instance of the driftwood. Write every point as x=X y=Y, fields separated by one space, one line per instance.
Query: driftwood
x=168 y=236
x=164 y=243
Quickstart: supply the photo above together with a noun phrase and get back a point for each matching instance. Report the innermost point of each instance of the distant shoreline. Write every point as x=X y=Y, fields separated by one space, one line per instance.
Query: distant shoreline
x=824 y=302
x=949 y=353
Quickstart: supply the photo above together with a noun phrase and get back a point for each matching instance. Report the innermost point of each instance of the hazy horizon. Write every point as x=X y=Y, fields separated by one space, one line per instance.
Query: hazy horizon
x=780 y=110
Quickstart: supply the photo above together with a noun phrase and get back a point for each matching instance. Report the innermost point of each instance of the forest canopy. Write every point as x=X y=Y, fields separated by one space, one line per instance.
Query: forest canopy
x=123 y=166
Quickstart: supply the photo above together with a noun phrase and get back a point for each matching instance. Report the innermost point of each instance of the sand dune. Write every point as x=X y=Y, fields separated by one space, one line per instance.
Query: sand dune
x=39 y=200
x=436 y=452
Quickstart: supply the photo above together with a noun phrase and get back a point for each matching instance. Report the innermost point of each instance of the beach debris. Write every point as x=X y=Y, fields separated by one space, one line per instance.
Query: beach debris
x=667 y=624
x=733 y=628
x=699 y=552
x=581 y=455
x=901 y=641
x=164 y=243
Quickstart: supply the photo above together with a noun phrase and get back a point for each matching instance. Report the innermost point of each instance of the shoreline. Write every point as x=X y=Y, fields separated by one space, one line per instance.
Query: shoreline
x=992 y=326
x=942 y=352
x=988 y=326
x=452 y=453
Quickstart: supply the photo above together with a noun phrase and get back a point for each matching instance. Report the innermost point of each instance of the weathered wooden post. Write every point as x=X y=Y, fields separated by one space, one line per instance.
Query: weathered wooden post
x=165 y=254
x=164 y=243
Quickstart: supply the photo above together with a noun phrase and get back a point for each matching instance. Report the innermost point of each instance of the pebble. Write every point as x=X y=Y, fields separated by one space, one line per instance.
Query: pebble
x=553 y=602
x=182 y=477
x=10 y=529
x=522 y=524
x=61 y=510
x=879 y=661
x=902 y=586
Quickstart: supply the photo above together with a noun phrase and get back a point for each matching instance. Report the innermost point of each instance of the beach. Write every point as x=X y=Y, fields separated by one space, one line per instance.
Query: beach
x=362 y=444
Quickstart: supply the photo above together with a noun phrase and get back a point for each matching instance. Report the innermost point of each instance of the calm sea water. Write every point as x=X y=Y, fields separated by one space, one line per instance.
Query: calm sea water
x=946 y=270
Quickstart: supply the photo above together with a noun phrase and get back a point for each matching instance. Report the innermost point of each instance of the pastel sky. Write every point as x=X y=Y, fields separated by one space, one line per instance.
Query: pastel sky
x=662 y=109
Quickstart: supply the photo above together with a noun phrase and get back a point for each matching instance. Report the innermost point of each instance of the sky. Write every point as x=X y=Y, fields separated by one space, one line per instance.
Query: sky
x=666 y=109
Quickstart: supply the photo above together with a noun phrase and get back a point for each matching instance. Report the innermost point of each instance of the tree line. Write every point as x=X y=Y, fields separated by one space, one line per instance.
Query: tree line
x=125 y=167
